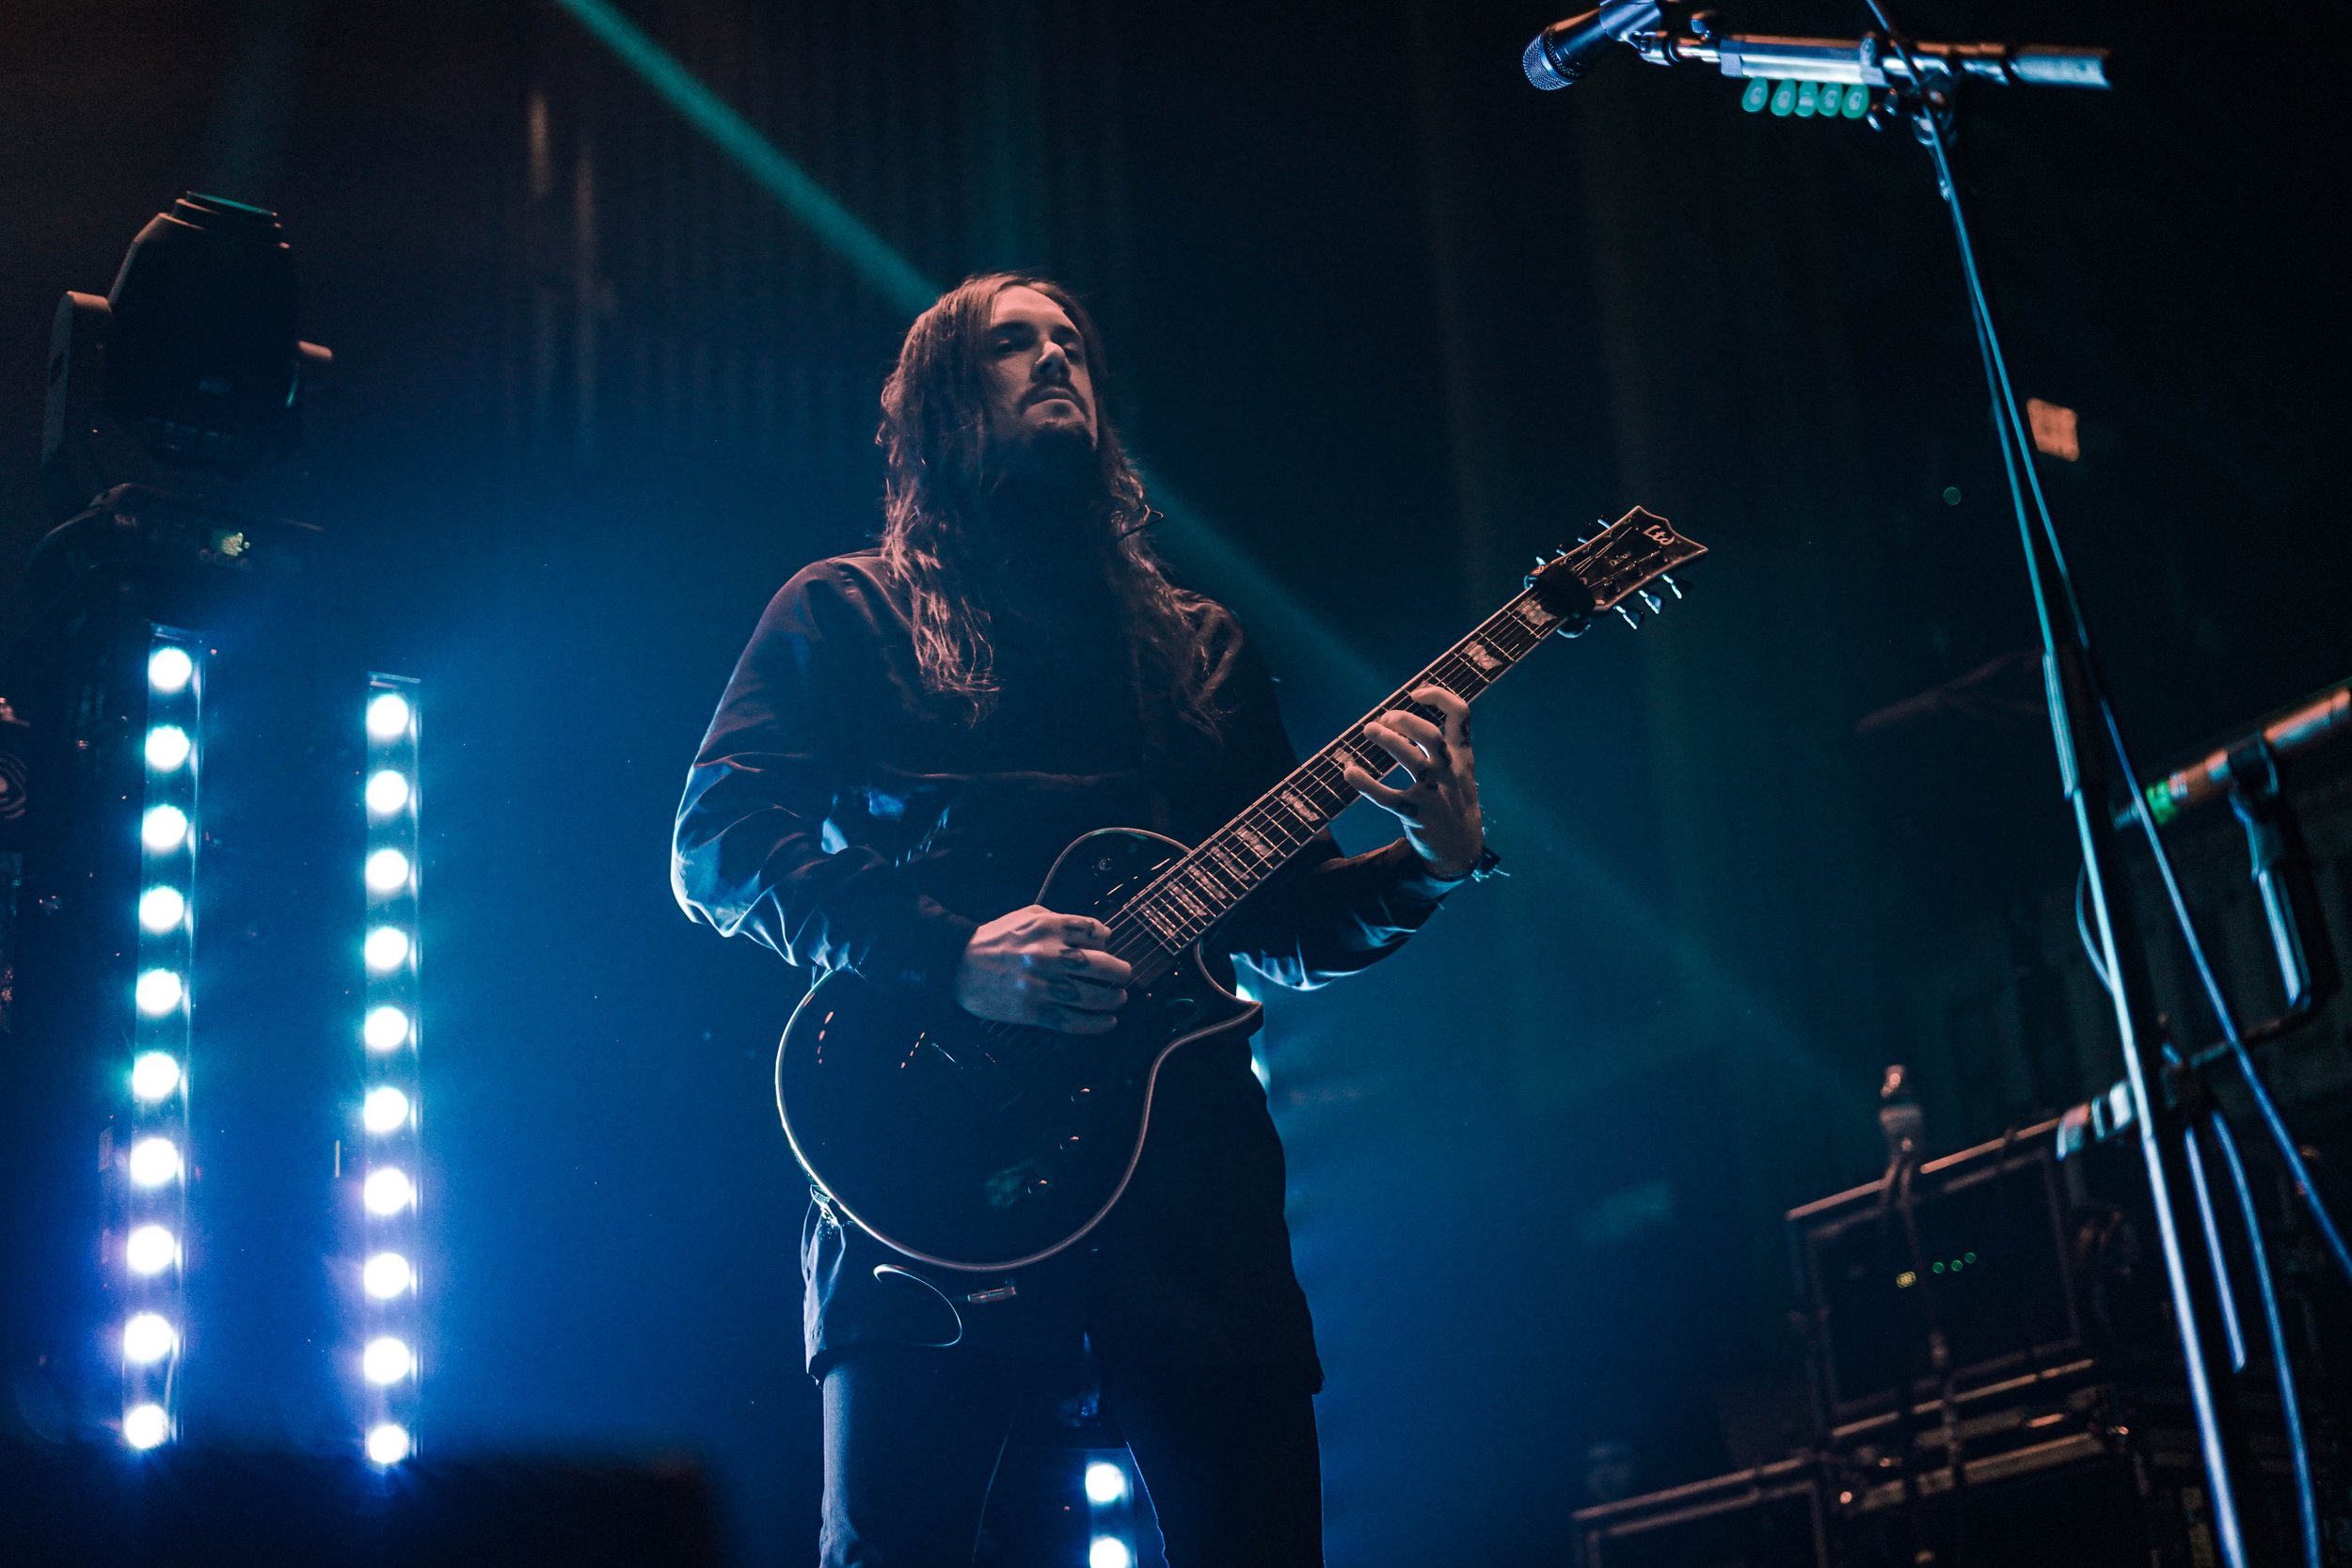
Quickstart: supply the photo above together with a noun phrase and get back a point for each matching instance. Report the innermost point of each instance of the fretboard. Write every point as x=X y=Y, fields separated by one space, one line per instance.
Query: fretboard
x=1205 y=885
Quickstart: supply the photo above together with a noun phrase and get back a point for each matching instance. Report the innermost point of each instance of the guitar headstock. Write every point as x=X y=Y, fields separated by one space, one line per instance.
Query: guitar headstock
x=1599 y=574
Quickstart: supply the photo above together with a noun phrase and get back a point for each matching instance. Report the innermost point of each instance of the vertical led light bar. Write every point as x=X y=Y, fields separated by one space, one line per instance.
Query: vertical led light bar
x=1110 y=1497
x=149 y=1169
x=385 y=1141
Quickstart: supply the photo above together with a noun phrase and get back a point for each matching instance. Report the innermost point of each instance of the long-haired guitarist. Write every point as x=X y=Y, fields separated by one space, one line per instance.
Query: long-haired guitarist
x=913 y=735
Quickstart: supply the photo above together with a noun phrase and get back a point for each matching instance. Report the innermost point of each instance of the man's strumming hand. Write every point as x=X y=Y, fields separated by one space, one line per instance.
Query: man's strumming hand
x=1034 y=966
x=1439 y=802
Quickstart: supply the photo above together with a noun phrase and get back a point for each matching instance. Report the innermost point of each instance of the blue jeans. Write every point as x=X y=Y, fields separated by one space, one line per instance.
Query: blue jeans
x=913 y=1437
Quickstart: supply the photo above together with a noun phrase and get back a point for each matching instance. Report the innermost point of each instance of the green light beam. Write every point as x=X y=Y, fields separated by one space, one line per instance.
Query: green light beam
x=873 y=258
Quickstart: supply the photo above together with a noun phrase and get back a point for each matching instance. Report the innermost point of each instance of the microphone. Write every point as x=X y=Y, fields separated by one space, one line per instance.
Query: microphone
x=1561 y=54
x=2213 y=775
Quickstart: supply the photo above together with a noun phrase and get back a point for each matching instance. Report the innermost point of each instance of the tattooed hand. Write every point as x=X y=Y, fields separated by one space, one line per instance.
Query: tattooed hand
x=1034 y=966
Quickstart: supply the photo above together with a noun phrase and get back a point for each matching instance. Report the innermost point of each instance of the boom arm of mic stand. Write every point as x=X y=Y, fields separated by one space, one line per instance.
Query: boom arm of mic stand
x=1869 y=61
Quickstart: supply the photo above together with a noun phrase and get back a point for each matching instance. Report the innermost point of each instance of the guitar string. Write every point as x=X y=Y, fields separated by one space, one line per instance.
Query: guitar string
x=1141 y=942
x=1324 y=772
x=1257 y=815
x=1319 y=783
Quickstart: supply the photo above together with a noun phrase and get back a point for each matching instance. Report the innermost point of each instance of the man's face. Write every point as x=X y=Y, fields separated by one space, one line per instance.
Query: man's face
x=1034 y=366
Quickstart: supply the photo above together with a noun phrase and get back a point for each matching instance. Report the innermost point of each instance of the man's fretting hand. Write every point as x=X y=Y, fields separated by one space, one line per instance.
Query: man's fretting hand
x=1034 y=966
x=1438 y=804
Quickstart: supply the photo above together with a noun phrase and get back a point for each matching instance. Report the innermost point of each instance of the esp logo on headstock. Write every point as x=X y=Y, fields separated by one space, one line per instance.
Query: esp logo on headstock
x=1601 y=573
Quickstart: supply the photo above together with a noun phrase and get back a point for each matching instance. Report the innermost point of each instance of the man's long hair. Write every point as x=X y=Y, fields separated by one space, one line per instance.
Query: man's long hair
x=938 y=542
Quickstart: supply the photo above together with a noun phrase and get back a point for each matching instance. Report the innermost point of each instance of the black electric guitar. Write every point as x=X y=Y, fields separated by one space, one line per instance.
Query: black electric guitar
x=973 y=1144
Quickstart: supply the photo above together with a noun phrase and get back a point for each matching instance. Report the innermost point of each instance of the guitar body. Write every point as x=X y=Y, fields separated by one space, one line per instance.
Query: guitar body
x=988 y=1146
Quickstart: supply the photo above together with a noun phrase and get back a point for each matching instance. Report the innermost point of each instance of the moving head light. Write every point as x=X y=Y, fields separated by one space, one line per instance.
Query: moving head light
x=190 y=363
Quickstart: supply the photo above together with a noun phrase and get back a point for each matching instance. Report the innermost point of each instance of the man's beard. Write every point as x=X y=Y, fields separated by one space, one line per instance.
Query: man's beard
x=1044 y=491
x=1045 y=541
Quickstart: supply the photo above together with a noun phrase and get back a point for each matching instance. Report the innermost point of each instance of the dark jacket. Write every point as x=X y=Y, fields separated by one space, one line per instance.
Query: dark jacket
x=839 y=814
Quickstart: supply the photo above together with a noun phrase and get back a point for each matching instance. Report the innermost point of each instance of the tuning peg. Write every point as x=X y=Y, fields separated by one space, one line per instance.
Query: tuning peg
x=1630 y=619
x=1655 y=603
x=1668 y=579
x=1539 y=561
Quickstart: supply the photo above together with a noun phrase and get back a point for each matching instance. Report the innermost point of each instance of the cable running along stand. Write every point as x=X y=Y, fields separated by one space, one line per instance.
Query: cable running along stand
x=1913 y=83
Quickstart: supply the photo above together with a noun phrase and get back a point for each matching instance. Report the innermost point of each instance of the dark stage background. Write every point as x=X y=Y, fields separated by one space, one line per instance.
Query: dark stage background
x=1387 y=321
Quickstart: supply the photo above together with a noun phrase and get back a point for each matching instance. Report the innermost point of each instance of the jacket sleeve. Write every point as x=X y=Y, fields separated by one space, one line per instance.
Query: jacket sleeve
x=748 y=855
x=1324 y=914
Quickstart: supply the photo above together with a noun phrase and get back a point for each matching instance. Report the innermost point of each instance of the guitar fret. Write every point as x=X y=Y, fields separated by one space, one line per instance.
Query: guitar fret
x=1162 y=927
x=1278 y=831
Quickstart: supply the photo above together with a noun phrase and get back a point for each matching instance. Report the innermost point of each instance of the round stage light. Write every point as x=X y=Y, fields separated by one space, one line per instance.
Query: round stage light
x=385 y=1029
x=384 y=1110
x=158 y=991
x=1105 y=1483
x=154 y=1161
x=387 y=1275
x=166 y=748
x=148 y=1337
x=162 y=829
x=1109 y=1551
x=387 y=1443
x=388 y=1191
x=168 y=669
x=387 y=791
x=162 y=908
x=387 y=871
x=150 y=1250
x=386 y=949
x=387 y=715
x=387 y=1359
x=154 y=1075
x=145 y=1425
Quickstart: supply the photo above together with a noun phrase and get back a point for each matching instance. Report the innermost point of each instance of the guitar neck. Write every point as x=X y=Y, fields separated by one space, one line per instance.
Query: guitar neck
x=1230 y=865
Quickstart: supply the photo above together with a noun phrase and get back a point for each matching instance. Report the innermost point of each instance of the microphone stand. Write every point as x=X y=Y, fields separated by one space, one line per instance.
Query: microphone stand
x=2167 y=1101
